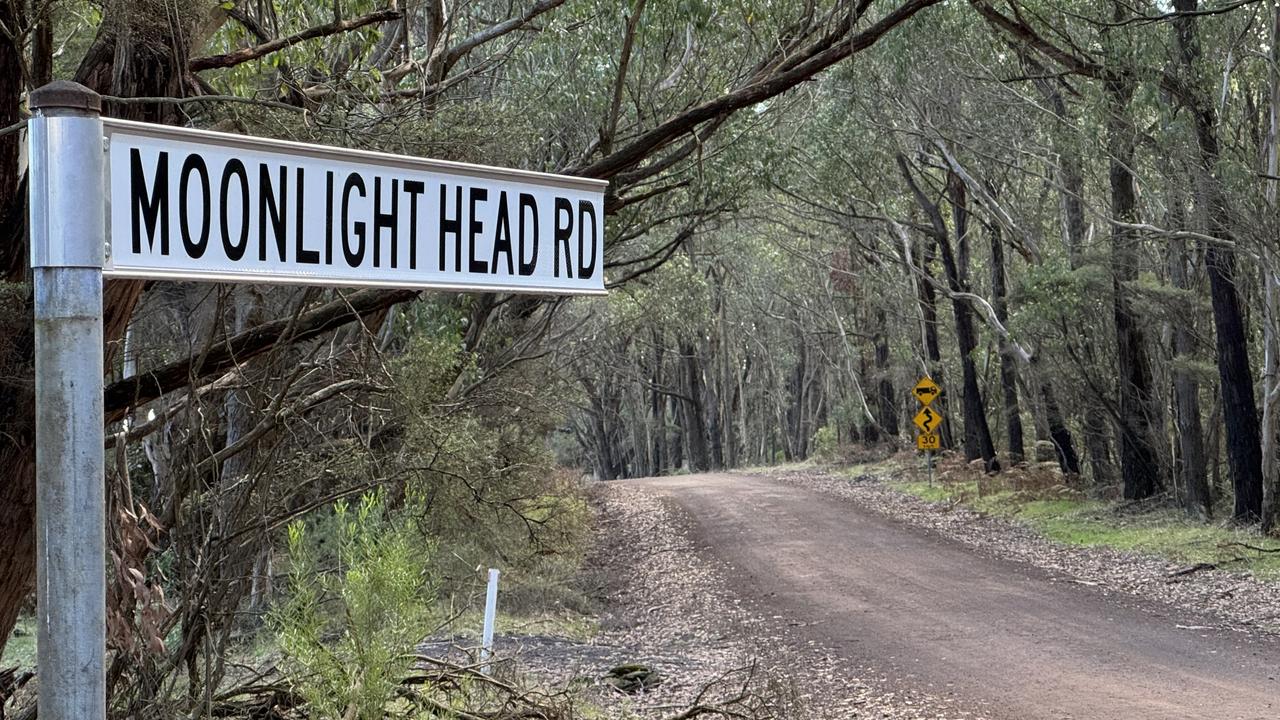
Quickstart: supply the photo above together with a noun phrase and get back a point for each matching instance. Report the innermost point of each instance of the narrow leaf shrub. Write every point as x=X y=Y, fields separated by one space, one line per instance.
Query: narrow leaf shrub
x=359 y=602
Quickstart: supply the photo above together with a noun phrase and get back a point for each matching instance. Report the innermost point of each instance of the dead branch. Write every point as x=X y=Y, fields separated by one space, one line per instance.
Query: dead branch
x=1192 y=569
x=278 y=415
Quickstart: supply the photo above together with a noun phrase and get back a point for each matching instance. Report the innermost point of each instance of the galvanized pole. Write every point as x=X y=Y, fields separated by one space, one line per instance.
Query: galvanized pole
x=68 y=234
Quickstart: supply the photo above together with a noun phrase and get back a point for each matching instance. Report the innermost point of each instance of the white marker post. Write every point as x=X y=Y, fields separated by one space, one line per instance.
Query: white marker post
x=166 y=203
x=68 y=234
x=490 y=617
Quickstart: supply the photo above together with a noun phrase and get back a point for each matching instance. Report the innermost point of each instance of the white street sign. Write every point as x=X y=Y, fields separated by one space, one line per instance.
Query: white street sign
x=196 y=205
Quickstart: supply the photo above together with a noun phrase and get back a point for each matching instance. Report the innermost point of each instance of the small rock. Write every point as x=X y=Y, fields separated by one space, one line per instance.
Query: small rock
x=632 y=677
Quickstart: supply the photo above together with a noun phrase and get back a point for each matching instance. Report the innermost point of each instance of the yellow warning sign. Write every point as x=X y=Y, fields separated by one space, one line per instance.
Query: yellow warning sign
x=928 y=441
x=927 y=420
x=926 y=391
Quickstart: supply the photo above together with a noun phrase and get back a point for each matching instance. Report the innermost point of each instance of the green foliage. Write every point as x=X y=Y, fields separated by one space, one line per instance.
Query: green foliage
x=824 y=447
x=480 y=477
x=677 y=296
x=1053 y=290
x=355 y=610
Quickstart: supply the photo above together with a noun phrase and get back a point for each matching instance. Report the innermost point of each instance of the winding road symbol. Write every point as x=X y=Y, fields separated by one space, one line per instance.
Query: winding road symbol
x=927 y=420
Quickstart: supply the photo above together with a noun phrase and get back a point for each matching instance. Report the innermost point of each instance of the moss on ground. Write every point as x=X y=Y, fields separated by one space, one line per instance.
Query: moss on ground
x=1069 y=517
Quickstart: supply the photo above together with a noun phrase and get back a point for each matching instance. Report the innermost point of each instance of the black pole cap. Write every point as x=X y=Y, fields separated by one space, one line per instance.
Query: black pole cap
x=65 y=94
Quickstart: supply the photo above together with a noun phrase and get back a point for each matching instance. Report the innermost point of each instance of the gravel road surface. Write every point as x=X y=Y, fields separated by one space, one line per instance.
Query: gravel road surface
x=1011 y=639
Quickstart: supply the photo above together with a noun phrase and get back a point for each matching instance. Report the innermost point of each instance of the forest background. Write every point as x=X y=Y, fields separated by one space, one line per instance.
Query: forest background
x=1064 y=212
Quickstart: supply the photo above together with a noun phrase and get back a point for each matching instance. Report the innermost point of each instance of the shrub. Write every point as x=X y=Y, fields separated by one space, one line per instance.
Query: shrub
x=824 y=446
x=348 y=630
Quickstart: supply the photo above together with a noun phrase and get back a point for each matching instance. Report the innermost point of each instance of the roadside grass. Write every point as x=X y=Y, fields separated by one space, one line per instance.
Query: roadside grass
x=781 y=466
x=852 y=462
x=569 y=625
x=1038 y=498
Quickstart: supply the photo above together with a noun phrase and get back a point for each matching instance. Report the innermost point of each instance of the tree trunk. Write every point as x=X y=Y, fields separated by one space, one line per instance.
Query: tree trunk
x=1271 y=306
x=598 y=440
x=1008 y=369
x=886 y=398
x=1240 y=413
x=795 y=413
x=1071 y=176
x=1139 y=462
x=927 y=297
x=17 y=408
x=726 y=384
x=658 y=409
x=1065 y=449
x=676 y=456
x=1186 y=391
x=13 y=250
x=150 y=61
x=711 y=404
x=871 y=431
x=695 y=426
x=238 y=407
x=977 y=435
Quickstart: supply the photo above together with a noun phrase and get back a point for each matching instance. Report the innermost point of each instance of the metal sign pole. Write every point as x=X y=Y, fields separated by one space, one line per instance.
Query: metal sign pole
x=68 y=234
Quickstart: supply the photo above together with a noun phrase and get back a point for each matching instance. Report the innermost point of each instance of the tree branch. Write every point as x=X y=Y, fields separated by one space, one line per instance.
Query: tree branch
x=279 y=415
x=144 y=387
x=493 y=32
x=1026 y=34
x=830 y=50
x=244 y=55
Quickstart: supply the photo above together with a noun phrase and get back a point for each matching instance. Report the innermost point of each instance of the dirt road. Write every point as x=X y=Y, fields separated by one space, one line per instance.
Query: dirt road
x=1011 y=640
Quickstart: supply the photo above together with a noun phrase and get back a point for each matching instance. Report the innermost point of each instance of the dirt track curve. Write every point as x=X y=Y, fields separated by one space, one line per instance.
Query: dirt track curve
x=1013 y=640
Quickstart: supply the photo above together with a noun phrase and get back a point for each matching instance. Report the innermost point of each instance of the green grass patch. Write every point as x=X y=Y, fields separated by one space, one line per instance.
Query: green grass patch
x=21 y=648
x=889 y=467
x=933 y=493
x=1069 y=517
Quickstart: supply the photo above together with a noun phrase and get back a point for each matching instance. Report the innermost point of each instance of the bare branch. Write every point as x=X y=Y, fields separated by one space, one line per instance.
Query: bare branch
x=244 y=55
x=493 y=32
x=833 y=48
x=130 y=392
x=300 y=407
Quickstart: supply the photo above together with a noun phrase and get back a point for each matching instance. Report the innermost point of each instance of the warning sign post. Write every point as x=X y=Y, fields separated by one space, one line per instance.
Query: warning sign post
x=927 y=420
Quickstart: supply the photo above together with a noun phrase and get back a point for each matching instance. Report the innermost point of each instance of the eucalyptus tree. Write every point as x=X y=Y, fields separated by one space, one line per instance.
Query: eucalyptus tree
x=1123 y=66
